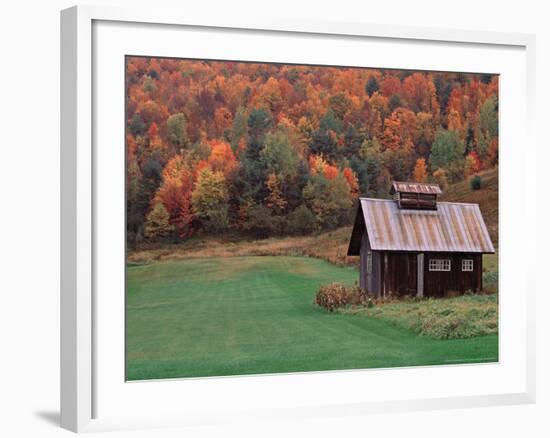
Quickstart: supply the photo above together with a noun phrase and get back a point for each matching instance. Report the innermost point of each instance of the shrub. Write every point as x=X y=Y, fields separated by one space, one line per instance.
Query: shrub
x=490 y=281
x=331 y=296
x=260 y=221
x=301 y=221
x=334 y=295
x=358 y=296
x=451 y=327
x=475 y=182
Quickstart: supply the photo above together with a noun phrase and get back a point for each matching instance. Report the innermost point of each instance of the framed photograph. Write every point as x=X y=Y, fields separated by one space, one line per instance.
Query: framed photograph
x=278 y=218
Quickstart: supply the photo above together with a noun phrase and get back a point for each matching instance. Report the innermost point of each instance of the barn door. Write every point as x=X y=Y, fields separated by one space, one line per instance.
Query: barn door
x=404 y=274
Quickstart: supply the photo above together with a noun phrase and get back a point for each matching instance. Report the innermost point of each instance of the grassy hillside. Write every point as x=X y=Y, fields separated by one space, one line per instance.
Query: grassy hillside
x=248 y=315
x=486 y=197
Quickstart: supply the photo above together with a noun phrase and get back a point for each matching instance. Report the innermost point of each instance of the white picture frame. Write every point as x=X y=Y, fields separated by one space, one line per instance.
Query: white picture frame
x=79 y=222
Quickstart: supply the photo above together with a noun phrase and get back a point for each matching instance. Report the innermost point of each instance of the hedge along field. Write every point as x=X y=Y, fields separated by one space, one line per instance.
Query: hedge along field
x=250 y=315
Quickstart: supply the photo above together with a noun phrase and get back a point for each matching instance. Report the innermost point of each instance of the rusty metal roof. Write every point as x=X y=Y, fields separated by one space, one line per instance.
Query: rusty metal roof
x=415 y=187
x=453 y=227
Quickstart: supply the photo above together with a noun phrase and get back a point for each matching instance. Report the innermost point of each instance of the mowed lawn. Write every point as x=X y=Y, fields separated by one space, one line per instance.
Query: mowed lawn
x=249 y=315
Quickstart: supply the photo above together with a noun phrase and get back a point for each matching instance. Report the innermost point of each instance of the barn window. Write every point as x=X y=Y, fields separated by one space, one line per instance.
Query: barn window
x=467 y=264
x=369 y=262
x=439 y=265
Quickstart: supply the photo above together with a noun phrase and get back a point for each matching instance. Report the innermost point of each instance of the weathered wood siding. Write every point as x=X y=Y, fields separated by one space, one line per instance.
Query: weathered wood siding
x=420 y=275
x=363 y=275
x=437 y=283
x=370 y=281
x=376 y=278
x=399 y=273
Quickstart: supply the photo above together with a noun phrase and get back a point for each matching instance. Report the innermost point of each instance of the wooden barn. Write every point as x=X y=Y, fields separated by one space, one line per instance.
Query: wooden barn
x=415 y=245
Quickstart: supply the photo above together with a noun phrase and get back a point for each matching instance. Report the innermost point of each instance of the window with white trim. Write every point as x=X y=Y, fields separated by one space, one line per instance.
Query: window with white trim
x=439 y=265
x=467 y=264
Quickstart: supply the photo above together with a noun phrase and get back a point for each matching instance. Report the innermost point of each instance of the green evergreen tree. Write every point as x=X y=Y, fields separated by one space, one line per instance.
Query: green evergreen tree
x=324 y=141
x=446 y=149
x=330 y=122
x=137 y=127
x=252 y=172
x=239 y=130
x=176 y=127
x=134 y=218
x=395 y=102
x=372 y=86
x=278 y=156
x=261 y=222
x=138 y=205
x=488 y=125
x=301 y=221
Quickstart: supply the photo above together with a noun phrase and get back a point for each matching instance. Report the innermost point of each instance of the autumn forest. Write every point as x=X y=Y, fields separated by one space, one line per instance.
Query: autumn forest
x=273 y=149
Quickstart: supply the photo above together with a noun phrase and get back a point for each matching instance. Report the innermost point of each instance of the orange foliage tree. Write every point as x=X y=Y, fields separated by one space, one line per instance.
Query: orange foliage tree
x=420 y=173
x=175 y=194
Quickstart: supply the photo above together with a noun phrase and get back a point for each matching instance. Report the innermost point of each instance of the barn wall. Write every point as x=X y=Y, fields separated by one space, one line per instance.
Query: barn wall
x=399 y=273
x=396 y=273
x=437 y=283
x=375 y=284
x=369 y=281
x=420 y=274
x=363 y=276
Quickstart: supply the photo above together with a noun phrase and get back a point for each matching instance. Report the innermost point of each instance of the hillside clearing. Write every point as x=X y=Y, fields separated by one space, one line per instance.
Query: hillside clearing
x=330 y=246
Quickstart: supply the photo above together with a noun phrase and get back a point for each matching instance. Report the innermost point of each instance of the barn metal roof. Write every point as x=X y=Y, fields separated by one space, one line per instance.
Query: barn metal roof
x=415 y=187
x=453 y=227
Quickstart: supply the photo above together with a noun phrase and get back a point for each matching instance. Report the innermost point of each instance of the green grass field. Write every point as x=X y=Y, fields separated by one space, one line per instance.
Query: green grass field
x=250 y=315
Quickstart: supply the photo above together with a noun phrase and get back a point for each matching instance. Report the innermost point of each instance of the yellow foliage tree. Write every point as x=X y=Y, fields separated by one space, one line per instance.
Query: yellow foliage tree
x=274 y=199
x=420 y=170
